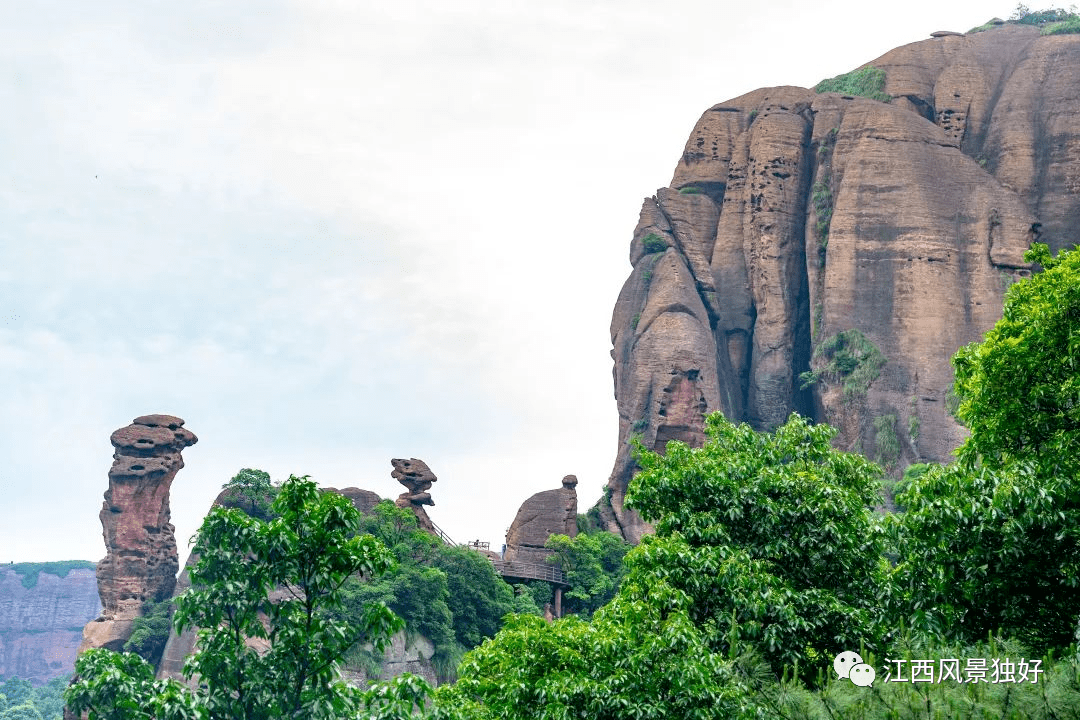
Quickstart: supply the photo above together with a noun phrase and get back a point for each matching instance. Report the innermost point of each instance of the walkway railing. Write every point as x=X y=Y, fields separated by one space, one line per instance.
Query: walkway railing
x=530 y=571
x=442 y=535
x=517 y=570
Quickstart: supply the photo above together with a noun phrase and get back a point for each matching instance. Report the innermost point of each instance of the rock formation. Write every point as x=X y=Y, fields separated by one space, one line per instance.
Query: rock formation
x=41 y=625
x=141 y=560
x=547 y=513
x=851 y=242
x=417 y=477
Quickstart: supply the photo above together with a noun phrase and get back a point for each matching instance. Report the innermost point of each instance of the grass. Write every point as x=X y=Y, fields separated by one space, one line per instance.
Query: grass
x=885 y=440
x=868 y=82
x=851 y=359
x=1065 y=27
x=61 y=568
x=689 y=191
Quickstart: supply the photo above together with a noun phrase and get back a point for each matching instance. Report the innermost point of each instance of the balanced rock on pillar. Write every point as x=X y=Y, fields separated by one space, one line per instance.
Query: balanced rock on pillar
x=141 y=558
x=417 y=477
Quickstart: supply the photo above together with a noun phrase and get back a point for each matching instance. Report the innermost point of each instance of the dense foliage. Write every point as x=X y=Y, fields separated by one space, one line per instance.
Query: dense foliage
x=19 y=700
x=450 y=595
x=593 y=563
x=1019 y=389
x=767 y=560
x=150 y=631
x=258 y=655
x=993 y=542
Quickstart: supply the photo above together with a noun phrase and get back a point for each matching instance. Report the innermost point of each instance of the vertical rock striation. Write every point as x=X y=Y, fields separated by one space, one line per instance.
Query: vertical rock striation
x=141 y=558
x=41 y=625
x=828 y=254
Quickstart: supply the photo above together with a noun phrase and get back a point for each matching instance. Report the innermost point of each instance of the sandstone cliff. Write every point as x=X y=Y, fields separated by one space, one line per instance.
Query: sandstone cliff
x=141 y=559
x=827 y=254
x=41 y=619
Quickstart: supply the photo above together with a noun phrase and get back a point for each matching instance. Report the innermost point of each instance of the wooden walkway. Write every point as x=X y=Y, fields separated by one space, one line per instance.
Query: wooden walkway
x=530 y=571
x=516 y=570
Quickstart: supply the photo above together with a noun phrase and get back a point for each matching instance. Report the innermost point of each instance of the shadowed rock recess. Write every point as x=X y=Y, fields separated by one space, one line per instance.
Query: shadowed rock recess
x=828 y=254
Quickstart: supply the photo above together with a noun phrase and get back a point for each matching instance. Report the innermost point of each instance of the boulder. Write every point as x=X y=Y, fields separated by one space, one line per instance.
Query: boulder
x=547 y=513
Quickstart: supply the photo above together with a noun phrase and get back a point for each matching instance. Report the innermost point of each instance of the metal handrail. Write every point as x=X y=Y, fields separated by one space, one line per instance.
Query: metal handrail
x=530 y=571
x=442 y=535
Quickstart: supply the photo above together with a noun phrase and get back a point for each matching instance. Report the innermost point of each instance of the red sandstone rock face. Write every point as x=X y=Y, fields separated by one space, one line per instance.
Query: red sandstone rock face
x=141 y=560
x=933 y=199
x=547 y=513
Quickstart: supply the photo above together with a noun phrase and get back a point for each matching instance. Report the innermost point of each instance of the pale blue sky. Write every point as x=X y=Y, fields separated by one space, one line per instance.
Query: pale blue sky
x=331 y=233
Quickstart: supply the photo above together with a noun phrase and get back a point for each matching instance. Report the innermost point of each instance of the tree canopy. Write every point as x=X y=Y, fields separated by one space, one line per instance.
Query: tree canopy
x=1019 y=388
x=260 y=596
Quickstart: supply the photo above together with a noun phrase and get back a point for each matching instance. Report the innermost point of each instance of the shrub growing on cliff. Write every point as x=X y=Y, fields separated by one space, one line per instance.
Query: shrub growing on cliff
x=1070 y=26
x=868 y=82
x=653 y=243
x=851 y=359
x=150 y=631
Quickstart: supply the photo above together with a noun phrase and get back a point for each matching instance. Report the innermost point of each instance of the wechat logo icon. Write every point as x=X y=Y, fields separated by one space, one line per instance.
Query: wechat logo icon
x=849 y=665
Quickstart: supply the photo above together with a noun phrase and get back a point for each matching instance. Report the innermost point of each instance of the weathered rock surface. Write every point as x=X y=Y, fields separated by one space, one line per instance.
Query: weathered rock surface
x=793 y=217
x=547 y=513
x=41 y=626
x=141 y=560
x=417 y=477
x=403 y=654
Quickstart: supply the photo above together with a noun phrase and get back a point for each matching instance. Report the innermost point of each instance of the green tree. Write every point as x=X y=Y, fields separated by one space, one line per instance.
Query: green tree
x=400 y=531
x=255 y=487
x=984 y=550
x=21 y=712
x=17 y=690
x=773 y=535
x=121 y=686
x=265 y=584
x=1019 y=389
x=641 y=656
x=479 y=598
x=593 y=564
x=993 y=542
x=49 y=698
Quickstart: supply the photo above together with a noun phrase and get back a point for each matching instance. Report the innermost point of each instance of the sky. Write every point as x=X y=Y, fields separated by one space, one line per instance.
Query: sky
x=328 y=234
